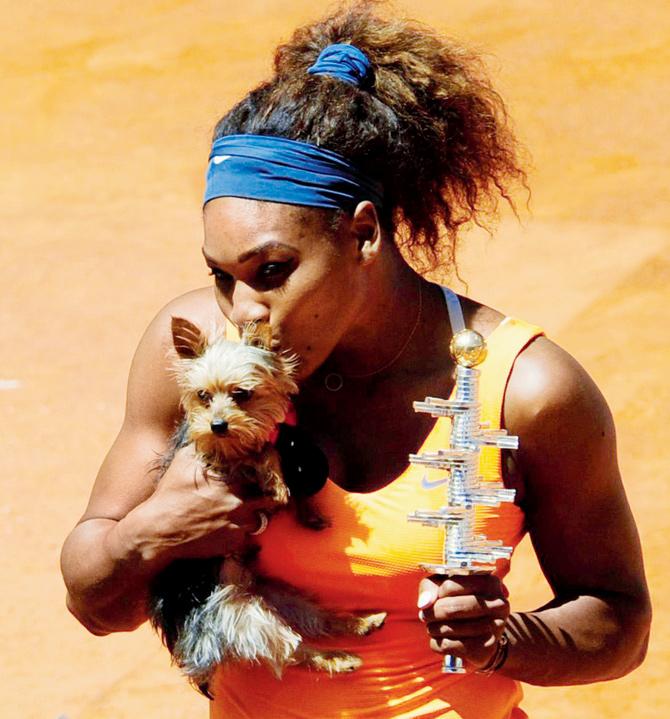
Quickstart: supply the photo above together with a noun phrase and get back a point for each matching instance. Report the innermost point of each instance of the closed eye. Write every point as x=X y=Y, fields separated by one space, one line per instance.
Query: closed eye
x=273 y=274
x=222 y=279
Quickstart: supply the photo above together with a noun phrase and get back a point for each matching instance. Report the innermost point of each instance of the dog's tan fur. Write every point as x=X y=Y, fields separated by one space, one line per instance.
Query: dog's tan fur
x=242 y=617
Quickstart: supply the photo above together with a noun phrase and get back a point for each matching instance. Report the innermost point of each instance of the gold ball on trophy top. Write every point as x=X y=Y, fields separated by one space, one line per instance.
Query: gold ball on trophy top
x=468 y=348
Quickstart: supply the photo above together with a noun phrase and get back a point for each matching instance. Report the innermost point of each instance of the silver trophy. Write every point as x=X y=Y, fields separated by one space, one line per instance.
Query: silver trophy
x=464 y=551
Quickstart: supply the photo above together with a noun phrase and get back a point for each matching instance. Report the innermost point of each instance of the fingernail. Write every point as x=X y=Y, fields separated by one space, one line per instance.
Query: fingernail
x=425 y=599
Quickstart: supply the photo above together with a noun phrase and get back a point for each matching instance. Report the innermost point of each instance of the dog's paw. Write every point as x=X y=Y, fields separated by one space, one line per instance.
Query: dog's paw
x=333 y=662
x=340 y=662
x=370 y=623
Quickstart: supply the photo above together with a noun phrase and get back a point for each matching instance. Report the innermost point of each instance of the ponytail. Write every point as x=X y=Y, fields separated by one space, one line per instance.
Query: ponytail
x=428 y=125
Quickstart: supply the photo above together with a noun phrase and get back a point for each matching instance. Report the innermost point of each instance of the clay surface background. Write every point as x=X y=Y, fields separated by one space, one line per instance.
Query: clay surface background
x=107 y=112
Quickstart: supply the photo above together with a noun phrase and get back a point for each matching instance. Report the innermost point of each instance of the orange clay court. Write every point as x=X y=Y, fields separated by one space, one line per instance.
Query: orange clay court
x=107 y=112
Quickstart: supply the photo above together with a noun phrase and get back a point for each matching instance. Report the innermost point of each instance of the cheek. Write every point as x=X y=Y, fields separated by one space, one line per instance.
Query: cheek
x=316 y=323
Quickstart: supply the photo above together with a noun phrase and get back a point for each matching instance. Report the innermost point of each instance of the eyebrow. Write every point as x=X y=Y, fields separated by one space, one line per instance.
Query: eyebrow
x=270 y=245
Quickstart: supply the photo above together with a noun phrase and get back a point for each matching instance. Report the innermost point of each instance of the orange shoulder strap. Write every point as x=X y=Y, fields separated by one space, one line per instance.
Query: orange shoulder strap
x=504 y=344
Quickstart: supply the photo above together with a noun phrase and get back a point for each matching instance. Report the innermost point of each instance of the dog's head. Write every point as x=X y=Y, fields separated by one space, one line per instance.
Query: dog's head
x=233 y=394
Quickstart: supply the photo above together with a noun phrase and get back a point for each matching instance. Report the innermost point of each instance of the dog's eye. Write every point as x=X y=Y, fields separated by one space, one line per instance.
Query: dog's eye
x=241 y=395
x=204 y=396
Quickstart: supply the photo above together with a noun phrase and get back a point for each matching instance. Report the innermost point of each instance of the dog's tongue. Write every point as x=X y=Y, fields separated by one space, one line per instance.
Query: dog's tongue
x=291 y=418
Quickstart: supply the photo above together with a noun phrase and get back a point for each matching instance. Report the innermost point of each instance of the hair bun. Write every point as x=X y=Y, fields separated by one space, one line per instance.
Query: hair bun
x=345 y=62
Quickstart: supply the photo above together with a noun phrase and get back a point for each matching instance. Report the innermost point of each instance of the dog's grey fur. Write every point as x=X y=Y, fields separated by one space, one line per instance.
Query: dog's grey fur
x=213 y=611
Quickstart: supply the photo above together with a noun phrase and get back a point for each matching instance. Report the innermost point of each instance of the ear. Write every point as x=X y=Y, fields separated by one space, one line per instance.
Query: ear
x=257 y=334
x=187 y=338
x=367 y=231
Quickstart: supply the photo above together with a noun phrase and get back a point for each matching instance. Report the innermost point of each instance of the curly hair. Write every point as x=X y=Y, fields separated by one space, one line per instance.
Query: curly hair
x=432 y=128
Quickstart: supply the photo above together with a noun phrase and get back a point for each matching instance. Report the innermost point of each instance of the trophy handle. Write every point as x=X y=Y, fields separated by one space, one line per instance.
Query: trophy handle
x=450 y=663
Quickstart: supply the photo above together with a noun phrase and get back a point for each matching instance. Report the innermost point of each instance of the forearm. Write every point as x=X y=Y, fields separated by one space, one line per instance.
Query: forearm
x=107 y=566
x=586 y=639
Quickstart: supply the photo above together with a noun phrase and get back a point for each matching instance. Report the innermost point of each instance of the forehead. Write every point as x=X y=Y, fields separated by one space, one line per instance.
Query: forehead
x=235 y=225
x=228 y=364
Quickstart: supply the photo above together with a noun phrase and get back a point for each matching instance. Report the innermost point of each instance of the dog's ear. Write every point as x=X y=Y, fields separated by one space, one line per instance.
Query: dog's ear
x=257 y=334
x=187 y=338
x=288 y=363
x=286 y=369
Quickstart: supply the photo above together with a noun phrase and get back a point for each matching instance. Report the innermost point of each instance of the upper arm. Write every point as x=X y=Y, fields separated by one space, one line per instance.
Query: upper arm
x=578 y=516
x=152 y=411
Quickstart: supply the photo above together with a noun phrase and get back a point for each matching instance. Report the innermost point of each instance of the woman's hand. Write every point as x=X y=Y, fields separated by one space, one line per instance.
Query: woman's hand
x=464 y=615
x=195 y=514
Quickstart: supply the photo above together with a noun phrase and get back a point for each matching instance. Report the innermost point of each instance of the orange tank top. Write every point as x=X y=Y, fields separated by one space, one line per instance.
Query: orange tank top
x=368 y=561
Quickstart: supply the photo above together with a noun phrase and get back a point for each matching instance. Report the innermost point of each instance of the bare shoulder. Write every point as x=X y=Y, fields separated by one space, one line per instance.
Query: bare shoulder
x=151 y=384
x=551 y=392
x=566 y=432
x=152 y=411
x=555 y=408
x=198 y=306
x=546 y=383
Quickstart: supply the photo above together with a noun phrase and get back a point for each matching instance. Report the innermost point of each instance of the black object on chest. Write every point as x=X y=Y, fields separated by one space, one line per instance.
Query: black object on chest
x=303 y=464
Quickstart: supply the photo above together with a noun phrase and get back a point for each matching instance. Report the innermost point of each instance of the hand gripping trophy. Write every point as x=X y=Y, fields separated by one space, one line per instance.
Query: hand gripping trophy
x=464 y=551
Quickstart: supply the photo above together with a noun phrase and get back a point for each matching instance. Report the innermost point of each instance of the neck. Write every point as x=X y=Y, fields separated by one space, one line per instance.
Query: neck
x=397 y=316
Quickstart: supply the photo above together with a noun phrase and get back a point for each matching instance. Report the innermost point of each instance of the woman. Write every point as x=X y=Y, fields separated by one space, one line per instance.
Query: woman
x=375 y=136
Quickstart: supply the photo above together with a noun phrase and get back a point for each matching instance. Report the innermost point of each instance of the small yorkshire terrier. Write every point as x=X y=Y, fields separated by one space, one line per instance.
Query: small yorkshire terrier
x=212 y=611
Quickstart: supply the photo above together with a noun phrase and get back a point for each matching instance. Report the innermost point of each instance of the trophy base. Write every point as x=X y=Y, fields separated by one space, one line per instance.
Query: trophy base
x=452 y=665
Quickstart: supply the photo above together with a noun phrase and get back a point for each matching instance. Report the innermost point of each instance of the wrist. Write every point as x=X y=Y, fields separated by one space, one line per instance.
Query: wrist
x=498 y=658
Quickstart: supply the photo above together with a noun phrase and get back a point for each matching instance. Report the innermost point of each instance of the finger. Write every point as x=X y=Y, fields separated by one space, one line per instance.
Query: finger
x=187 y=451
x=484 y=585
x=465 y=607
x=483 y=627
x=428 y=590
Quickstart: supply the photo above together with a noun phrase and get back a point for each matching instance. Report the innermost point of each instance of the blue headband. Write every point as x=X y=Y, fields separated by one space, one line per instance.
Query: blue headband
x=345 y=62
x=264 y=167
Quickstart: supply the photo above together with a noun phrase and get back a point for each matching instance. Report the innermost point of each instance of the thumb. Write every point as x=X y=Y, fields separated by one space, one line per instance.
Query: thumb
x=427 y=592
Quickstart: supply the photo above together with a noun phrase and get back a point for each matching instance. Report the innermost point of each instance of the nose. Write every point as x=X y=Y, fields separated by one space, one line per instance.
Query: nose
x=219 y=427
x=247 y=305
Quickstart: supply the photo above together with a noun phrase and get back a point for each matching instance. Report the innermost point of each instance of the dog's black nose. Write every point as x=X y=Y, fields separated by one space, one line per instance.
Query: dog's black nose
x=219 y=427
